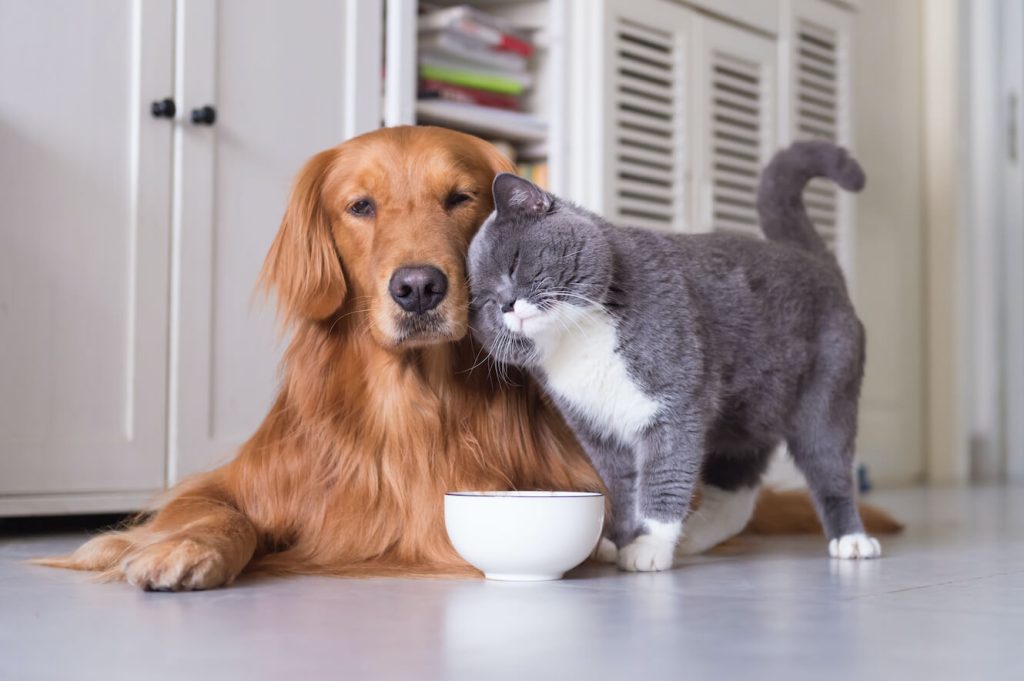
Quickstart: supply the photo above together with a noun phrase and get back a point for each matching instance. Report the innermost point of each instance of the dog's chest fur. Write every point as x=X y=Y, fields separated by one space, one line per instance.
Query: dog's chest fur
x=585 y=371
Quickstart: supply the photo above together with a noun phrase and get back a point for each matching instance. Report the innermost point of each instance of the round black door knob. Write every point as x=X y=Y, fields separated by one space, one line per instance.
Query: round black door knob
x=204 y=115
x=163 y=108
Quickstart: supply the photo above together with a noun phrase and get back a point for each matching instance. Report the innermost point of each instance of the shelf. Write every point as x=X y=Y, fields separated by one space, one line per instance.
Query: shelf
x=513 y=126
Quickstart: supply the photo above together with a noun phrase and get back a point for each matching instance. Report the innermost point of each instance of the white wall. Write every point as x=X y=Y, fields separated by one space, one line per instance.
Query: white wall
x=887 y=84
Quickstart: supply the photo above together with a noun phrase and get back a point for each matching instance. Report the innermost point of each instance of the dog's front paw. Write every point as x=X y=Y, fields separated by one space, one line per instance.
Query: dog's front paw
x=177 y=565
x=647 y=553
x=854 y=546
x=605 y=551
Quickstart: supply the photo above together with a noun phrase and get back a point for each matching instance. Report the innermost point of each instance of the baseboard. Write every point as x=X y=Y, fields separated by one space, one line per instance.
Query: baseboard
x=69 y=504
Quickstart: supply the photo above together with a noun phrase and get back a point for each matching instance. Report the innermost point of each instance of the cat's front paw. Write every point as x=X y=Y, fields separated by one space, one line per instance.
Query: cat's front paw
x=854 y=546
x=647 y=553
x=605 y=551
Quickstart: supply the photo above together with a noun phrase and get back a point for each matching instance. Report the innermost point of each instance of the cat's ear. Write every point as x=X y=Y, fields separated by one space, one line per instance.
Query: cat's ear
x=513 y=193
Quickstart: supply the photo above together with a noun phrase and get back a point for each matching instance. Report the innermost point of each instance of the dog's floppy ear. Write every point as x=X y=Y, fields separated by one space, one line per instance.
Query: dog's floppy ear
x=499 y=162
x=496 y=161
x=303 y=265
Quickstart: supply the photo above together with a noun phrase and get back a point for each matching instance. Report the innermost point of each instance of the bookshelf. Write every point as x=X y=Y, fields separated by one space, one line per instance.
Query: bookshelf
x=531 y=132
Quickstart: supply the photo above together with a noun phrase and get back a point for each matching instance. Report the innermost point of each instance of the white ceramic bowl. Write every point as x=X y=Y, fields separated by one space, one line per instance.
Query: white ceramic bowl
x=524 y=536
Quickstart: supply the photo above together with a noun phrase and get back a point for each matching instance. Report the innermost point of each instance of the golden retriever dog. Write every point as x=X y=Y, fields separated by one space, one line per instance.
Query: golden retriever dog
x=385 y=402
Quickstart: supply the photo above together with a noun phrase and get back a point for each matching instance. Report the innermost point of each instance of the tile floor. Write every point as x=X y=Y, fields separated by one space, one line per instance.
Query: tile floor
x=946 y=602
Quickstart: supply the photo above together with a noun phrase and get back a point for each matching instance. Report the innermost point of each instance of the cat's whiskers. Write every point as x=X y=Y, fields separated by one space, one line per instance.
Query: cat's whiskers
x=476 y=358
x=492 y=359
x=498 y=355
x=506 y=352
x=563 y=319
x=562 y=292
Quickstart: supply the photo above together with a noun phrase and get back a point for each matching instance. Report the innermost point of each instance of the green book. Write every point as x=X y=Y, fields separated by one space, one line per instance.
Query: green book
x=480 y=81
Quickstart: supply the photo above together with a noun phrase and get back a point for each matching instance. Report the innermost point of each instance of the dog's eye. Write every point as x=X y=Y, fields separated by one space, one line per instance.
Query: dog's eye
x=362 y=208
x=455 y=199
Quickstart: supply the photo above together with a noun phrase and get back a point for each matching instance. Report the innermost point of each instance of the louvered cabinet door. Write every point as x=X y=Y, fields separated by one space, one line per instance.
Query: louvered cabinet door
x=814 y=53
x=735 y=91
x=644 y=117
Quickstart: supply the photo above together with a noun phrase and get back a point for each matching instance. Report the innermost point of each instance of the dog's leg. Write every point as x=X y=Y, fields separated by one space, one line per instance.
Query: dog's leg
x=198 y=540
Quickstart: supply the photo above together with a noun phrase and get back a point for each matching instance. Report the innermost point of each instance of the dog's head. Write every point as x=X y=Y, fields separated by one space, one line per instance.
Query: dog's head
x=378 y=228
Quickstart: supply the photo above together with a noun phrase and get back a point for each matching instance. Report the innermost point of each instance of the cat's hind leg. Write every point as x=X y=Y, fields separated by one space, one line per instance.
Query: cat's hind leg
x=829 y=473
x=731 y=484
x=821 y=441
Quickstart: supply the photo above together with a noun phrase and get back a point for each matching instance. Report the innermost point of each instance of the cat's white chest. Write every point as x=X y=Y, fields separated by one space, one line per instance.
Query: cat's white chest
x=584 y=369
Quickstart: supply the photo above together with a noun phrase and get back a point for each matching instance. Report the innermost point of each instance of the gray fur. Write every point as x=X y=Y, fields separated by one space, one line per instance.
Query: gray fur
x=747 y=343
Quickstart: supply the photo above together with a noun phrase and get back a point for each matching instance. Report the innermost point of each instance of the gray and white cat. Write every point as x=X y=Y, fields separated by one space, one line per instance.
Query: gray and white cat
x=680 y=357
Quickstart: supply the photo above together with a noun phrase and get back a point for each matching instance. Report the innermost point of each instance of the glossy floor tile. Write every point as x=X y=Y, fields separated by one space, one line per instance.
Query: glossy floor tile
x=946 y=602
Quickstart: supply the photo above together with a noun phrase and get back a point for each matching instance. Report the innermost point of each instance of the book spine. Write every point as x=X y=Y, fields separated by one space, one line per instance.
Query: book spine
x=457 y=93
x=495 y=38
x=510 y=43
x=469 y=79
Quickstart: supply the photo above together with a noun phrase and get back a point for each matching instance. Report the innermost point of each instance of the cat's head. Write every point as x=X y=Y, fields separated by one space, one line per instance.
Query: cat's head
x=537 y=264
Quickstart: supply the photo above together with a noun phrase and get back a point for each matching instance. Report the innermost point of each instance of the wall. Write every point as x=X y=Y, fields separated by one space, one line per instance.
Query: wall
x=887 y=85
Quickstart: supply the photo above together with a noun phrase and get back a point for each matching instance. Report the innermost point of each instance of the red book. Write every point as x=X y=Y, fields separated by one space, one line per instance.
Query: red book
x=514 y=44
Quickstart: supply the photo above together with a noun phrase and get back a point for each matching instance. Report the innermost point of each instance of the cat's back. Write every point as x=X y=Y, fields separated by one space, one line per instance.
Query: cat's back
x=733 y=293
x=723 y=265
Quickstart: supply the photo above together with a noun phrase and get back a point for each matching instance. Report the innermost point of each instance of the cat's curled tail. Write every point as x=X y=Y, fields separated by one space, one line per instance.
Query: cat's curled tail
x=780 y=197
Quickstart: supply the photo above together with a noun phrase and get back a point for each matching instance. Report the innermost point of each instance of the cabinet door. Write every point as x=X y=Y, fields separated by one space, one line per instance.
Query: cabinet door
x=735 y=90
x=84 y=223
x=814 y=54
x=645 y=107
x=287 y=80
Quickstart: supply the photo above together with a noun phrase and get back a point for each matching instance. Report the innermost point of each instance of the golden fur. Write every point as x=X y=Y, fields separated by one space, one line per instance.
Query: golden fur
x=373 y=423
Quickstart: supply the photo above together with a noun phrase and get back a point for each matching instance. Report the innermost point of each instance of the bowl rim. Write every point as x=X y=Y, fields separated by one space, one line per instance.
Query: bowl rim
x=523 y=494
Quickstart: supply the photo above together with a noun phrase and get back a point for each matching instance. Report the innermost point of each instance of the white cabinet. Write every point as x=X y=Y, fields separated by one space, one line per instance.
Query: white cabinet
x=84 y=225
x=672 y=113
x=132 y=349
x=276 y=73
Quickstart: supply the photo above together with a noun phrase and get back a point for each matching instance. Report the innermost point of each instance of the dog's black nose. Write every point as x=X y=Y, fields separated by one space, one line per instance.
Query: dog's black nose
x=418 y=289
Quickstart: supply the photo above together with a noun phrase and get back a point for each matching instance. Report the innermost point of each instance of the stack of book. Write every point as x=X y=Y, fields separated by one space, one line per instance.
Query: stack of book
x=473 y=72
